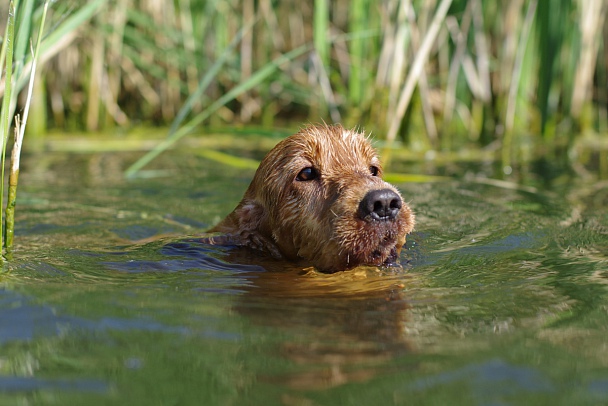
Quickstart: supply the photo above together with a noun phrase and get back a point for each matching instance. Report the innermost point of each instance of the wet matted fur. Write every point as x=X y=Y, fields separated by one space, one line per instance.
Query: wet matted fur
x=318 y=197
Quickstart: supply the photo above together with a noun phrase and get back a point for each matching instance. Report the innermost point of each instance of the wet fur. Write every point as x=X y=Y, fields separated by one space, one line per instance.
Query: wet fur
x=317 y=222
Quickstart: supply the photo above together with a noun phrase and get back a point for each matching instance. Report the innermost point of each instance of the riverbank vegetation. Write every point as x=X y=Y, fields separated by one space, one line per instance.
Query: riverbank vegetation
x=436 y=75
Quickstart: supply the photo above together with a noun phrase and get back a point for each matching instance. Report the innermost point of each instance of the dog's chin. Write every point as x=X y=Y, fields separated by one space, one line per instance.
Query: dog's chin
x=380 y=256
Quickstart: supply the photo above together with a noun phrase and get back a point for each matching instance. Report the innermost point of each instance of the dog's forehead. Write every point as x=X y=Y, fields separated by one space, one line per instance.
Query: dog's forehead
x=339 y=146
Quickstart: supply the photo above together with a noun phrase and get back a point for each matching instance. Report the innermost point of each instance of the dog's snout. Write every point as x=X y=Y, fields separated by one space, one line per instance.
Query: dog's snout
x=382 y=204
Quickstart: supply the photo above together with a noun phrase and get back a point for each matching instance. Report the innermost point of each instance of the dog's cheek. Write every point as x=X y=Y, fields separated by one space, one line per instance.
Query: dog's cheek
x=301 y=223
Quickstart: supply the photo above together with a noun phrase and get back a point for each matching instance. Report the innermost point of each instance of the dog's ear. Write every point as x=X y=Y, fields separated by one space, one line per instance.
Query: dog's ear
x=249 y=215
x=247 y=226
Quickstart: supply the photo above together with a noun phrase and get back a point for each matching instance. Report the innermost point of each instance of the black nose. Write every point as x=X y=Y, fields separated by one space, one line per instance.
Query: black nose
x=383 y=204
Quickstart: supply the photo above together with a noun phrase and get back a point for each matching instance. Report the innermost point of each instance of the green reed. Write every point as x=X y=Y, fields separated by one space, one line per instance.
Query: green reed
x=22 y=49
x=7 y=57
x=446 y=75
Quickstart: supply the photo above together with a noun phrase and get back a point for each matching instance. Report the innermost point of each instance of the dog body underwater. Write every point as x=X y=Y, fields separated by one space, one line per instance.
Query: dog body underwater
x=318 y=198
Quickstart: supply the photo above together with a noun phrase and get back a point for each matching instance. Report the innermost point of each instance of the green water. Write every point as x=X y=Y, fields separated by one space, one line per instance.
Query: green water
x=503 y=299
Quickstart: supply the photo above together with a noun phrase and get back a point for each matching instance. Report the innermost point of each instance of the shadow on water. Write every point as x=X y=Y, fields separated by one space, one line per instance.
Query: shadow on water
x=502 y=299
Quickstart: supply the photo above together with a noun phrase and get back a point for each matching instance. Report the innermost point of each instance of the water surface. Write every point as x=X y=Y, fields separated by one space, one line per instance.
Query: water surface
x=111 y=298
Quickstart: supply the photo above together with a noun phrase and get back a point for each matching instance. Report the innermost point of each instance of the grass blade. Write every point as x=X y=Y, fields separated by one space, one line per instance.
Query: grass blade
x=514 y=88
x=416 y=69
x=254 y=80
x=19 y=134
x=6 y=100
x=206 y=80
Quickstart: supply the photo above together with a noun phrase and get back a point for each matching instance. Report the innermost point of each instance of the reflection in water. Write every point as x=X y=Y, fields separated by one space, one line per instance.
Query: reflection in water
x=339 y=328
x=337 y=331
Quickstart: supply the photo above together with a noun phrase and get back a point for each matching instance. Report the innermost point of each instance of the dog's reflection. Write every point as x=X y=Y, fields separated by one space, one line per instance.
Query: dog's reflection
x=339 y=328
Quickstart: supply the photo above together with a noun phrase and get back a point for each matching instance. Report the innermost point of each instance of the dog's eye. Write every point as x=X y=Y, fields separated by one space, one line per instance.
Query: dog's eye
x=307 y=174
x=374 y=170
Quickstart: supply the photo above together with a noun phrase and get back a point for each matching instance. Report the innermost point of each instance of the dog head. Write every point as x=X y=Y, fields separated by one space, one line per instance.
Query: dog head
x=319 y=196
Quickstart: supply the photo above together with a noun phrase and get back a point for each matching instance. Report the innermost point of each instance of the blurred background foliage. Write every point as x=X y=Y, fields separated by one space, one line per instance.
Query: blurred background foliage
x=511 y=77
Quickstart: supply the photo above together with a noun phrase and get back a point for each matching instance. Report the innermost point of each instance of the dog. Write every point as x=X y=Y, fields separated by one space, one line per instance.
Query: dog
x=318 y=198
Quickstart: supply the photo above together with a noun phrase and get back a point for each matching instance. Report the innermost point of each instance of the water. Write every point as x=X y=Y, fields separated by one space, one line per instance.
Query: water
x=111 y=300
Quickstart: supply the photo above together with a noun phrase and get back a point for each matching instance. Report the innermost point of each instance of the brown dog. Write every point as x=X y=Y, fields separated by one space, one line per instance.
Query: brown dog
x=318 y=197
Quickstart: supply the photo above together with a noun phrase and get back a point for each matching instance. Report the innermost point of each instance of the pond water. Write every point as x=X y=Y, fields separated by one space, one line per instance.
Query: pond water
x=110 y=299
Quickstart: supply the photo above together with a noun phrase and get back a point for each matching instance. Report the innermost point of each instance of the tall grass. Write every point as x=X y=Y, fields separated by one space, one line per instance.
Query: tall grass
x=447 y=75
x=22 y=48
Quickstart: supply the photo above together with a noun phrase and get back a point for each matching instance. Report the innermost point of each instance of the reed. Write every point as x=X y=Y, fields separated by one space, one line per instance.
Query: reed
x=6 y=56
x=20 y=125
x=22 y=49
x=446 y=75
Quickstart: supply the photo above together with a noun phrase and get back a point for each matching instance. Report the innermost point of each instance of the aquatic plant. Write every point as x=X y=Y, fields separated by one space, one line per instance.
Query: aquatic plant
x=20 y=69
x=6 y=56
x=513 y=76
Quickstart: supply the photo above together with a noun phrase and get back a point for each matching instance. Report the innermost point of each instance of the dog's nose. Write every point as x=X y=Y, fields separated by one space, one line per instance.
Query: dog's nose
x=382 y=204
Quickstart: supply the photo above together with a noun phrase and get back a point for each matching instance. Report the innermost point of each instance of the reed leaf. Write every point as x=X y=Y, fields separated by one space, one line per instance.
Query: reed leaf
x=488 y=87
x=515 y=84
x=415 y=71
x=230 y=160
x=57 y=36
x=206 y=81
x=5 y=113
x=19 y=135
x=71 y=23
x=255 y=79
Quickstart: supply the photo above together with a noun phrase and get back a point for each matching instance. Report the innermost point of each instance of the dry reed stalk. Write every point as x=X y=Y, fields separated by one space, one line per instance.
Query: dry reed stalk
x=592 y=16
x=423 y=87
x=136 y=78
x=395 y=47
x=95 y=83
x=459 y=36
x=171 y=88
x=272 y=22
x=189 y=41
x=416 y=69
x=509 y=42
x=481 y=50
x=341 y=56
x=513 y=89
x=13 y=179
x=118 y=20
x=246 y=58
x=297 y=29
x=325 y=85
x=387 y=46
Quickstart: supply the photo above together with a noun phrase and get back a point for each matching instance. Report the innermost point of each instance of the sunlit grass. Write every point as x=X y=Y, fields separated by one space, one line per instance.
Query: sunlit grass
x=443 y=75
x=22 y=48
x=7 y=57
